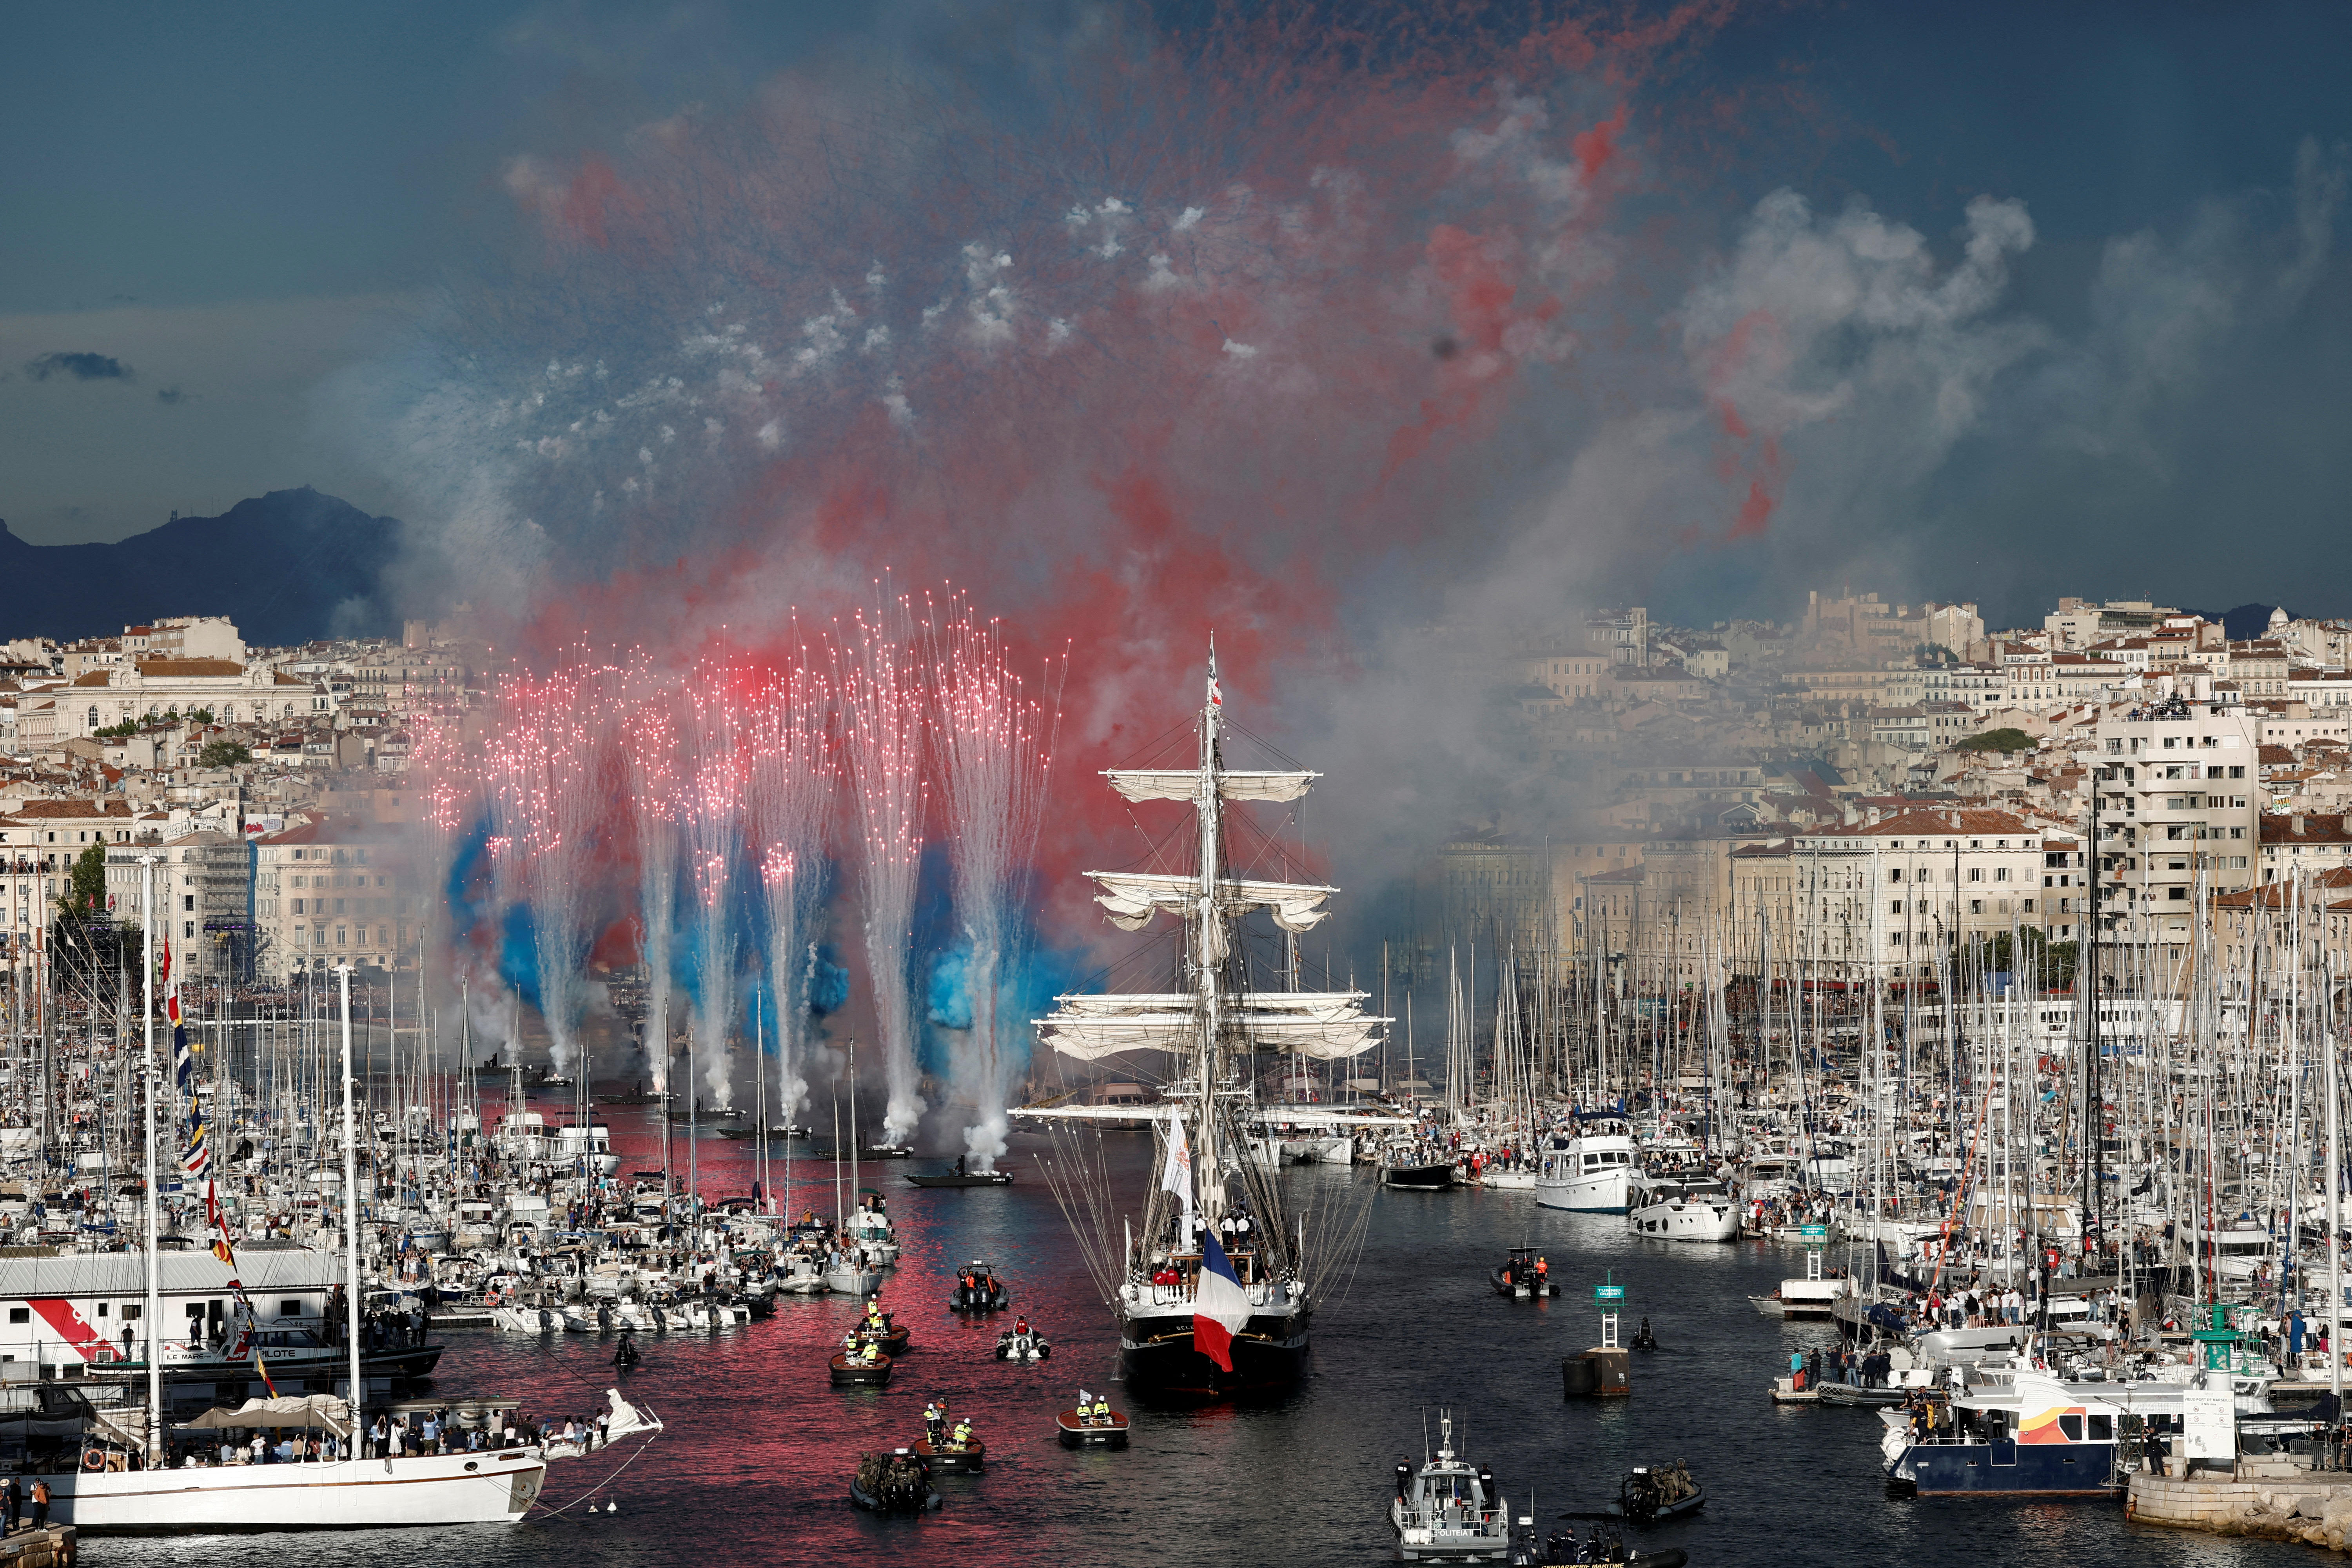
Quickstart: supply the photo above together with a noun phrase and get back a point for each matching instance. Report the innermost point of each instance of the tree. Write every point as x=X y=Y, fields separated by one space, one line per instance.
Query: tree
x=85 y=891
x=85 y=940
x=222 y=754
x=2002 y=740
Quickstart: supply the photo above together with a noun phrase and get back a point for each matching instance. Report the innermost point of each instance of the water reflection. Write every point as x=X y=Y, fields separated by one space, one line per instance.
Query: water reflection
x=756 y=1465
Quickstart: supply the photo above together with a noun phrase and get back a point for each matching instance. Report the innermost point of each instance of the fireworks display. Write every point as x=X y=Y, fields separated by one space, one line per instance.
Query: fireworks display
x=696 y=814
x=882 y=712
x=989 y=740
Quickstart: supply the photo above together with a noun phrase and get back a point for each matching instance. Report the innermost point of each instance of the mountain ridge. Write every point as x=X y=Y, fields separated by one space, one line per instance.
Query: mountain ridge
x=288 y=566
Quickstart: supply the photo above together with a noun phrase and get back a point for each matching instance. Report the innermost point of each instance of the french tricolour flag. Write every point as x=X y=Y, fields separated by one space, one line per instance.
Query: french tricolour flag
x=1220 y=1310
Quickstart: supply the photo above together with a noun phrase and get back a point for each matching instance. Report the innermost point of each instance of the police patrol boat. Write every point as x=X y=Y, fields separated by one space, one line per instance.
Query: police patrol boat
x=1449 y=1511
x=1199 y=1321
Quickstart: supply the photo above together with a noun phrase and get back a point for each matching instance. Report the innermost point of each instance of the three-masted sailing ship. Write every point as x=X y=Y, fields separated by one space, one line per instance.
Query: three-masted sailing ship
x=1217 y=1027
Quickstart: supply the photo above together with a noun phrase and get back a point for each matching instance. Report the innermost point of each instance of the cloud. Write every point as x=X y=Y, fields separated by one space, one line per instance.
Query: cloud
x=172 y=396
x=81 y=366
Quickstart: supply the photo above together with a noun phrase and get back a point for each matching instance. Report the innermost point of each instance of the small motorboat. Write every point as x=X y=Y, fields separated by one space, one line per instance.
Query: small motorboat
x=1022 y=1344
x=886 y=1151
x=856 y=1372
x=1644 y=1340
x=978 y=1290
x=1653 y=1492
x=1082 y=1428
x=891 y=1336
x=1523 y=1275
x=896 y=1482
x=1831 y=1392
x=1562 y=1547
x=1434 y=1178
x=963 y=1179
x=1786 y=1392
x=952 y=1458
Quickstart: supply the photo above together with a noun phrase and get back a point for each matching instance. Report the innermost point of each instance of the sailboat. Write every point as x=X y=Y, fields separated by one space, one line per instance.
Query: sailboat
x=1216 y=1028
x=496 y=1484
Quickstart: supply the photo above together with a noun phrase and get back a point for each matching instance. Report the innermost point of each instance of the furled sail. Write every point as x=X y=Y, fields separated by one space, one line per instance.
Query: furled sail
x=1132 y=898
x=1322 y=1025
x=1183 y=783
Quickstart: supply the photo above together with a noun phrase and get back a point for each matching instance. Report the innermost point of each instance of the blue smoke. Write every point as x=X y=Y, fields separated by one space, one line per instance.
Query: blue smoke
x=519 y=954
x=829 y=985
x=950 y=992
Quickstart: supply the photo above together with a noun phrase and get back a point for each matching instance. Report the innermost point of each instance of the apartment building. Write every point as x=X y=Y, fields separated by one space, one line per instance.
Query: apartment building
x=2178 y=787
x=334 y=892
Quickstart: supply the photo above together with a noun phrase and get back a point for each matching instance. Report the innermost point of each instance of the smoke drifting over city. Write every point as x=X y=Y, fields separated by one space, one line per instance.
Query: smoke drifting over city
x=1373 y=353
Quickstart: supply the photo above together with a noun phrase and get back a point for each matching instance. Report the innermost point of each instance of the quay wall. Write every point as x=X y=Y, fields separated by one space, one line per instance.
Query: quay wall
x=2275 y=1501
x=53 y=1546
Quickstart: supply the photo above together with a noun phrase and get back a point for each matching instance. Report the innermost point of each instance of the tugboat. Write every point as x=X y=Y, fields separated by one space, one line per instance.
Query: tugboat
x=1448 y=1510
x=859 y=1369
x=978 y=1290
x=896 y=1482
x=1022 y=1342
x=1523 y=1275
x=1202 y=1322
x=1092 y=1425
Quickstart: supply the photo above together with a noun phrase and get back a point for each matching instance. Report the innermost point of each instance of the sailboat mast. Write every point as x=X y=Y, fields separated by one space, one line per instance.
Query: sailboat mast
x=1205 y=980
x=153 y=1311
x=351 y=1216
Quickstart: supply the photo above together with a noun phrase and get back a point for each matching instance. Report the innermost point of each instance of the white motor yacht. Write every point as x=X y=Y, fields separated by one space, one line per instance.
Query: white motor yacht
x=1588 y=1174
x=1672 y=1210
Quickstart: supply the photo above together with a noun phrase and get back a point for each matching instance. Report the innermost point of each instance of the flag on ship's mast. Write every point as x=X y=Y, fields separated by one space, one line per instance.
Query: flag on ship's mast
x=1176 y=1175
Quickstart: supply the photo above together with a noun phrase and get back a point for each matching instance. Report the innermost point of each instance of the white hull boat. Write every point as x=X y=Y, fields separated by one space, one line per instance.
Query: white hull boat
x=1671 y=1211
x=1588 y=1176
x=487 y=1488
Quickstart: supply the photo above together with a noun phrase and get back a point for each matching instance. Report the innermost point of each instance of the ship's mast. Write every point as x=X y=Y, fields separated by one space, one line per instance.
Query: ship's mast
x=1207 y=802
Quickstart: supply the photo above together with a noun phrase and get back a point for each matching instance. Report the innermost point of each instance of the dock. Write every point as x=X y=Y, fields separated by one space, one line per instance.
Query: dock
x=51 y=1546
x=2278 y=1500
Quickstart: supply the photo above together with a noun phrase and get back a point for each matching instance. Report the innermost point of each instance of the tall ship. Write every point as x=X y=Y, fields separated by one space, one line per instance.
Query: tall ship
x=1212 y=1245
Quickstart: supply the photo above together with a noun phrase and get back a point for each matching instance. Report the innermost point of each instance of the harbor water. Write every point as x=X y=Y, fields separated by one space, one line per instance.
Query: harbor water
x=755 y=1465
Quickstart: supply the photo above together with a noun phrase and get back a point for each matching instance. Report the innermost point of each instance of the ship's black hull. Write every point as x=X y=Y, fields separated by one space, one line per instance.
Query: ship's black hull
x=1160 y=1367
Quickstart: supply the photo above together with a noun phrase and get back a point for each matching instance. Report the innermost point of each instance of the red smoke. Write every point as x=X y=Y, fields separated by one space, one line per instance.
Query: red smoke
x=1270 y=284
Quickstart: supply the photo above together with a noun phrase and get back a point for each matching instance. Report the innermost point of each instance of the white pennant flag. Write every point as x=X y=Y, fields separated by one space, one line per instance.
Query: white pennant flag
x=1176 y=1176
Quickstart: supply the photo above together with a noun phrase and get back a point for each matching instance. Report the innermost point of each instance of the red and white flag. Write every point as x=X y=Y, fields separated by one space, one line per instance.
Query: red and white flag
x=171 y=988
x=1221 y=1308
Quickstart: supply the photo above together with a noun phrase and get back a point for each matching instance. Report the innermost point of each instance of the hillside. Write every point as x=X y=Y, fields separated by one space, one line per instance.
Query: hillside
x=287 y=567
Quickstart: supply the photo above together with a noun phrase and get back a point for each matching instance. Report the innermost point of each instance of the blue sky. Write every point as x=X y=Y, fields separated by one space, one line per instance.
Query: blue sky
x=238 y=206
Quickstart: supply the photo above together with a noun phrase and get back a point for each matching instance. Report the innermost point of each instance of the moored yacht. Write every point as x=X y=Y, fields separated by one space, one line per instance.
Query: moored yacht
x=1665 y=1209
x=1589 y=1174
